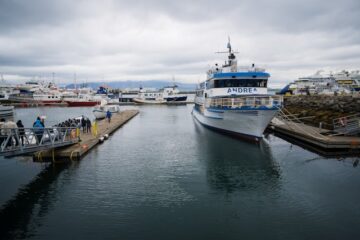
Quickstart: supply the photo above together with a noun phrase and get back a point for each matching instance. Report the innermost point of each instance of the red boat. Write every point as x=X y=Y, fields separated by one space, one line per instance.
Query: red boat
x=81 y=101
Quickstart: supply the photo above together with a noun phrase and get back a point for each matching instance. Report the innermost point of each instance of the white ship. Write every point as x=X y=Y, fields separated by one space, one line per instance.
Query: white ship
x=235 y=101
x=343 y=82
x=164 y=95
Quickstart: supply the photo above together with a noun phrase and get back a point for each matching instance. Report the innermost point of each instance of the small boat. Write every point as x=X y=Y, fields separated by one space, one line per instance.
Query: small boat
x=100 y=111
x=6 y=111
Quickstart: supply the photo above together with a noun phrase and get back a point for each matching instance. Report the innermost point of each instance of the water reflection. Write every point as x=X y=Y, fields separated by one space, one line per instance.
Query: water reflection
x=21 y=215
x=235 y=165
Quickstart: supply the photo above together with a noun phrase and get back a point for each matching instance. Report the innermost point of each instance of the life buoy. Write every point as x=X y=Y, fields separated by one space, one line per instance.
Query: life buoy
x=343 y=121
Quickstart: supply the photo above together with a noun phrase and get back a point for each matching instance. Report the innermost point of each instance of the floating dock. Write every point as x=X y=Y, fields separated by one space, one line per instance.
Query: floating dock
x=318 y=140
x=88 y=140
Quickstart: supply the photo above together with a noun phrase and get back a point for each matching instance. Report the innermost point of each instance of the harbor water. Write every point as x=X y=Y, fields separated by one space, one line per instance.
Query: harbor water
x=164 y=176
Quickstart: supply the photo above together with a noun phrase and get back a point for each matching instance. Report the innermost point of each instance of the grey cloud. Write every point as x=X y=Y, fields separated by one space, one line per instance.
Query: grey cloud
x=142 y=39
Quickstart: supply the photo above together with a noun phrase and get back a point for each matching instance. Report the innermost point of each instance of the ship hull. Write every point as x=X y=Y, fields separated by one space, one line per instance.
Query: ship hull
x=246 y=124
x=144 y=101
x=81 y=104
x=176 y=99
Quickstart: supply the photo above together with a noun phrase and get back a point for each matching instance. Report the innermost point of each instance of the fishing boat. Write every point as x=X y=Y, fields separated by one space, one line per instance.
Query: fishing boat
x=172 y=94
x=81 y=99
x=100 y=111
x=234 y=100
x=47 y=97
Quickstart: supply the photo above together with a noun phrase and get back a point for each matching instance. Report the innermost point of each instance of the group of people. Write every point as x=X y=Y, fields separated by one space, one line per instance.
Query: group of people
x=9 y=127
x=84 y=123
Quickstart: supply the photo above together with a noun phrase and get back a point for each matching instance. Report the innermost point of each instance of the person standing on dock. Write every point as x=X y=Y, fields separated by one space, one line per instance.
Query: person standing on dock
x=83 y=124
x=108 y=115
x=88 y=126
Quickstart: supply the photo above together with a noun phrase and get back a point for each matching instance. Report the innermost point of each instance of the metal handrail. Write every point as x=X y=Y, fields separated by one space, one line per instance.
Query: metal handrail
x=297 y=125
x=14 y=141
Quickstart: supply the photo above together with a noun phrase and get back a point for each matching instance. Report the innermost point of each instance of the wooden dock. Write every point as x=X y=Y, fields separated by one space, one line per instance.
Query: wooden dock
x=319 y=140
x=88 y=140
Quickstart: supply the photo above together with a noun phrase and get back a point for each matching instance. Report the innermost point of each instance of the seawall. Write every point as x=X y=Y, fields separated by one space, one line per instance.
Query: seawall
x=322 y=108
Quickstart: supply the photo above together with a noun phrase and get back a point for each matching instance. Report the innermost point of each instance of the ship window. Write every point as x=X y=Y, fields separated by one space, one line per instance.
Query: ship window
x=226 y=83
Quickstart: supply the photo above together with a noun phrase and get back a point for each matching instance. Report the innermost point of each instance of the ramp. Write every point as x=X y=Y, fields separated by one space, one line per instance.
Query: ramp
x=23 y=141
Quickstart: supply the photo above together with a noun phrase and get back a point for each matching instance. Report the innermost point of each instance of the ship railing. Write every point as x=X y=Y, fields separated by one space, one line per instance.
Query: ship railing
x=18 y=141
x=245 y=101
x=250 y=69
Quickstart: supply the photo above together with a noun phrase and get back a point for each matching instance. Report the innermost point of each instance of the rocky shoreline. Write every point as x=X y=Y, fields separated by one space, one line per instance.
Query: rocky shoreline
x=316 y=109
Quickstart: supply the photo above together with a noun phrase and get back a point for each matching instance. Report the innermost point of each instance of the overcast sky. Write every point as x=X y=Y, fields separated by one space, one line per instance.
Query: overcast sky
x=154 y=40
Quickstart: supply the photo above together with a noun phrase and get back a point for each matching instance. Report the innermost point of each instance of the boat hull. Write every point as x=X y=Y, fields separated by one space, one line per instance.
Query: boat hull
x=176 y=99
x=143 y=101
x=81 y=104
x=247 y=124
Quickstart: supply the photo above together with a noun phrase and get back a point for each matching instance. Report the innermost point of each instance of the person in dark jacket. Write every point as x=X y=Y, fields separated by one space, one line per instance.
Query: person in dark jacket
x=83 y=124
x=21 y=131
x=88 y=126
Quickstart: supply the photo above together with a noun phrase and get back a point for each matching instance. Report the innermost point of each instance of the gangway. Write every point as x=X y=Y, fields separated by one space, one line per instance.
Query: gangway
x=294 y=124
x=23 y=141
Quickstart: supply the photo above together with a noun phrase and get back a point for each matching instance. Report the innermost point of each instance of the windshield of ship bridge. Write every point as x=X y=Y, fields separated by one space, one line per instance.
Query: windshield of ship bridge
x=224 y=83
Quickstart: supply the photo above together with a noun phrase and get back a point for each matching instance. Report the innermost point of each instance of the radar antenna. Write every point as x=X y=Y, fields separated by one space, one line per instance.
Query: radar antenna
x=230 y=51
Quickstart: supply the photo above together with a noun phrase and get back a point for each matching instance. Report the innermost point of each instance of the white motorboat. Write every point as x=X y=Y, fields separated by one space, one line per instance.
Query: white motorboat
x=100 y=110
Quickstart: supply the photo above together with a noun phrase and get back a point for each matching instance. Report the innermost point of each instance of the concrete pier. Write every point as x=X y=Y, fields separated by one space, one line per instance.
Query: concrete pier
x=88 y=140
